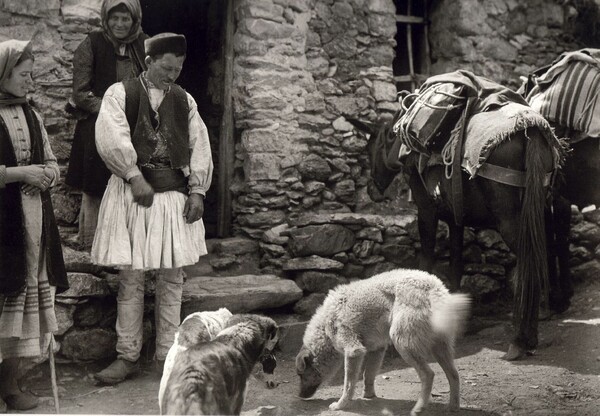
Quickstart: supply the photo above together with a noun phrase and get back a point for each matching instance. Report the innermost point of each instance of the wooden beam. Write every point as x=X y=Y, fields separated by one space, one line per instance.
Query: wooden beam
x=409 y=45
x=427 y=60
x=415 y=20
x=408 y=78
x=226 y=139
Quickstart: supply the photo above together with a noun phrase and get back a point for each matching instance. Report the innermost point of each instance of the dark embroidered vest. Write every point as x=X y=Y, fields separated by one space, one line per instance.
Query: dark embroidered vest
x=105 y=61
x=173 y=115
x=13 y=263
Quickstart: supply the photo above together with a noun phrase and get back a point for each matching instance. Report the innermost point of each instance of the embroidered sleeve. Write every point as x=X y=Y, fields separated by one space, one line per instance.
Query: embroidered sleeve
x=201 y=163
x=113 y=138
x=49 y=158
x=83 y=74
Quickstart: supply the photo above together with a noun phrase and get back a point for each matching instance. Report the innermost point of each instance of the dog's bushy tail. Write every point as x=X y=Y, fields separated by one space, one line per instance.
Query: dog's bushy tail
x=449 y=315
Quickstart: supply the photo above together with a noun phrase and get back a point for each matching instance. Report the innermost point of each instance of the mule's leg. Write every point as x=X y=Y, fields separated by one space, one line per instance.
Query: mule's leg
x=443 y=355
x=554 y=292
x=353 y=360
x=427 y=221
x=372 y=365
x=562 y=227
x=456 y=256
x=425 y=375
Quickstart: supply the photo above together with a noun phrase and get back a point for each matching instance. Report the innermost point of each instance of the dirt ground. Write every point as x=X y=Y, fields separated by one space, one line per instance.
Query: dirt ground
x=561 y=378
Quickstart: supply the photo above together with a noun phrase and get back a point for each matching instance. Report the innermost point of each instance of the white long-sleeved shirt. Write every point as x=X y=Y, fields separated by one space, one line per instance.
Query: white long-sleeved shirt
x=113 y=139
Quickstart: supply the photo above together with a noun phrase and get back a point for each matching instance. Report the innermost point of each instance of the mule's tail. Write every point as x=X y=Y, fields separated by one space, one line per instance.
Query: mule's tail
x=449 y=315
x=532 y=263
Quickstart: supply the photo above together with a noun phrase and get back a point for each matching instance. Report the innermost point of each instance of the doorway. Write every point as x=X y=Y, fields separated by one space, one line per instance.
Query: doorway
x=202 y=23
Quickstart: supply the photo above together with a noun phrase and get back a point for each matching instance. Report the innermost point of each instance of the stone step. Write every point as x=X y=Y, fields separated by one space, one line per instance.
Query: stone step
x=239 y=294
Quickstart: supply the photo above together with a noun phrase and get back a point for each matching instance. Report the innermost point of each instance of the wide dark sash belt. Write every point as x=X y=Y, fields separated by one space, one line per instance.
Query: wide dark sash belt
x=165 y=179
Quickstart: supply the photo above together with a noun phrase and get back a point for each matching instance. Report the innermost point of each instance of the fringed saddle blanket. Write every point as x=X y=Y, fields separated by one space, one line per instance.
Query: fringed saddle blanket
x=487 y=130
x=568 y=93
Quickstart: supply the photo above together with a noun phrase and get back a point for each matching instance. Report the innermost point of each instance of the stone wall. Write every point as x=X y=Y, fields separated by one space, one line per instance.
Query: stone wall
x=320 y=251
x=299 y=67
x=504 y=39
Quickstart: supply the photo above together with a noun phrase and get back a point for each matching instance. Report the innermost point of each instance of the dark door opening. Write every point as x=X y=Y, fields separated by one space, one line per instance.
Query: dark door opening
x=201 y=21
x=412 y=63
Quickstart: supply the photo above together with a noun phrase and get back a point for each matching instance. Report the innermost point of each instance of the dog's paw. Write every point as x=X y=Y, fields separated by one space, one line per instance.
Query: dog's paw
x=339 y=405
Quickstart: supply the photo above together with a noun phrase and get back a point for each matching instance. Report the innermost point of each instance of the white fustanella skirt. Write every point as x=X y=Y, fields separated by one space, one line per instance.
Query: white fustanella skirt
x=132 y=236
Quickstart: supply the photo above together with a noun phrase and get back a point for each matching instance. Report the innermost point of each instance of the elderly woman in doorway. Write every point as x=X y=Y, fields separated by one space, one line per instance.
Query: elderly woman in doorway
x=112 y=54
x=31 y=262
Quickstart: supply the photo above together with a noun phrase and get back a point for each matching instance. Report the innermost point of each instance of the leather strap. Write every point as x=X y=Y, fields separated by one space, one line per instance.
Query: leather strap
x=507 y=176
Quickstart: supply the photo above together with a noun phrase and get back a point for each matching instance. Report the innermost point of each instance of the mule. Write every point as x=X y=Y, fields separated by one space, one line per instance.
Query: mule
x=577 y=184
x=517 y=213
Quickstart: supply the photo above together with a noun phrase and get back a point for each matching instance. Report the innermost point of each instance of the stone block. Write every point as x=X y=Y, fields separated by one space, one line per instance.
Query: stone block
x=314 y=167
x=85 y=285
x=64 y=317
x=312 y=263
x=262 y=166
x=36 y=8
x=236 y=246
x=308 y=305
x=239 y=294
x=322 y=240
x=319 y=282
x=89 y=344
x=81 y=10
x=479 y=285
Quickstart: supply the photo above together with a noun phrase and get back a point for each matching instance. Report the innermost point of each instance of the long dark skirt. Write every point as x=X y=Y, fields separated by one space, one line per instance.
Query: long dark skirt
x=87 y=171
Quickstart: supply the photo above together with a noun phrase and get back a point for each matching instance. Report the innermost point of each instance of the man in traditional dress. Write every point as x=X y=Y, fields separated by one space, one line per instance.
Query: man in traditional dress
x=152 y=139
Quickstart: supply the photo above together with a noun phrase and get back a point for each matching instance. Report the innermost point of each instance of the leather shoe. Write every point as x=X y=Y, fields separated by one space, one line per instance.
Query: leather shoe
x=118 y=371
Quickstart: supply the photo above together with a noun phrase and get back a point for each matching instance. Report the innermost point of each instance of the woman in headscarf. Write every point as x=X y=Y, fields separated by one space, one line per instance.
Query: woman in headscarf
x=31 y=262
x=112 y=54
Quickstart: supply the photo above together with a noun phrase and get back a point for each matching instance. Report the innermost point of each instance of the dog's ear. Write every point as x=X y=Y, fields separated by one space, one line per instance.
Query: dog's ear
x=273 y=333
x=271 y=337
x=302 y=359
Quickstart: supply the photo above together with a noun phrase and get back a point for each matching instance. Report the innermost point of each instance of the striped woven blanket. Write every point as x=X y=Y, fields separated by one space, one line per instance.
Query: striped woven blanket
x=569 y=94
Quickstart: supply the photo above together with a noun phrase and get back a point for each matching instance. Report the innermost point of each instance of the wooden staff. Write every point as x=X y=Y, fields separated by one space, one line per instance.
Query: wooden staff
x=53 y=374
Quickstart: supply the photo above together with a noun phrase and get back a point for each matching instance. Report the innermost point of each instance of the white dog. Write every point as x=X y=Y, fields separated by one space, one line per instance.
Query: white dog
x=196 y=328
x=410 y=309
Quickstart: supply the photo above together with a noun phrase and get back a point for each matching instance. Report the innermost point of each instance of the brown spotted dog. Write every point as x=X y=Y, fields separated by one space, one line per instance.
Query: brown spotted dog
x=211 y=378
x=196 y=328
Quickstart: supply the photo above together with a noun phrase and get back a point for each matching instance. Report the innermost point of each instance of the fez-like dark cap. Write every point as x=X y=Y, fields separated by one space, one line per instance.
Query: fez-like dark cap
x=165 y=43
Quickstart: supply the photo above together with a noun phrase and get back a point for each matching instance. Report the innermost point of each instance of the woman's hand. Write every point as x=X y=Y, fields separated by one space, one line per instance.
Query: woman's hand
x=34 y=175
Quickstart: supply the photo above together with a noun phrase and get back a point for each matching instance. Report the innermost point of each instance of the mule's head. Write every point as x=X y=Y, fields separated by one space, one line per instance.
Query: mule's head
x=381 y=175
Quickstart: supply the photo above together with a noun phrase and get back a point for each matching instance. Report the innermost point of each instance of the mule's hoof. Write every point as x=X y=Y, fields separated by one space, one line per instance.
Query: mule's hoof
x=339 y=405
x=369 y=395
x=514 y=353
